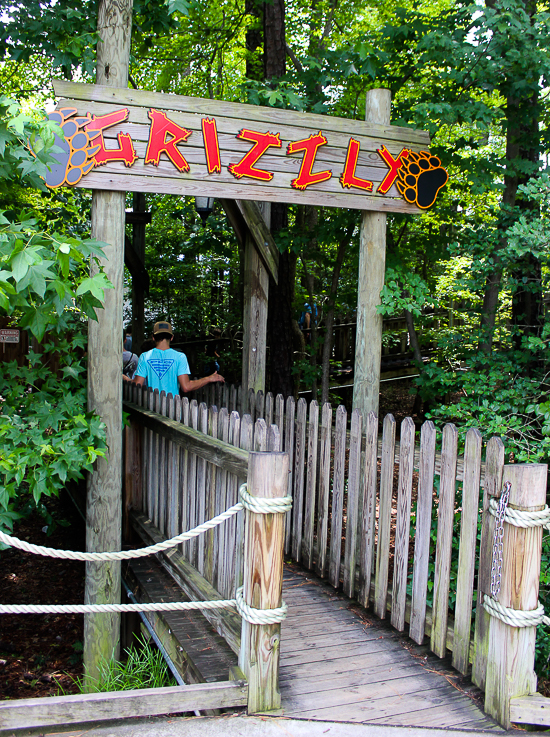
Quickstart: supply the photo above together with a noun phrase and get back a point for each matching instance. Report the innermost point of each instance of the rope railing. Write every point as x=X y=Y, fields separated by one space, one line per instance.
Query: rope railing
x=256 y=505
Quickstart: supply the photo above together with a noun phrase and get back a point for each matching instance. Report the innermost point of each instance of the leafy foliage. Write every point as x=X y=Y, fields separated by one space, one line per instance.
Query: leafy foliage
x=47 y=437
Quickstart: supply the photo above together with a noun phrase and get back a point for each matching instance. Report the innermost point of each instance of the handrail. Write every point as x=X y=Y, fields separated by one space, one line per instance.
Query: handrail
x=210 y=449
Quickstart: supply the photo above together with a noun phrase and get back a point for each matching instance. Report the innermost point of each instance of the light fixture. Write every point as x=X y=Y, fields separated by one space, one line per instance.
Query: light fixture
x=204 y=206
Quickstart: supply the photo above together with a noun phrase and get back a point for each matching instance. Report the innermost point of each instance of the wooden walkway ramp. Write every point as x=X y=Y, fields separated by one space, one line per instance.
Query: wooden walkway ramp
x=340 y=663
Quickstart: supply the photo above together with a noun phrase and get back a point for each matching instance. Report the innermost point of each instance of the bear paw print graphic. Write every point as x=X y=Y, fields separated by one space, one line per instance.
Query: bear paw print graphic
x=420 y=177
x=77 y=152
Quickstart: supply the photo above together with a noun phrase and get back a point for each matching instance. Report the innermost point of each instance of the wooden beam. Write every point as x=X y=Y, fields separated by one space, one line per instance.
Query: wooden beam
x=142 y=702
x=511 y=656
x=138 y=218
x=261 y=235
x=104 y=493
x=135 y=266
x=256 y=290
x=235 y=218
x=372 y=266
x=211 y=449
x=533 y=709
x=263 y=581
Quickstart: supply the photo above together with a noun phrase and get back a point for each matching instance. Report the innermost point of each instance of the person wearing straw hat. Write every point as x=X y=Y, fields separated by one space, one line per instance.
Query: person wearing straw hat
x=166 y=369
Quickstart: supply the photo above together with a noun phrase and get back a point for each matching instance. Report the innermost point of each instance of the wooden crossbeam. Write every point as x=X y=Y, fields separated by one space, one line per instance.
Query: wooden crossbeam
x=211 y=449
x=245 y=216
x=94 y=707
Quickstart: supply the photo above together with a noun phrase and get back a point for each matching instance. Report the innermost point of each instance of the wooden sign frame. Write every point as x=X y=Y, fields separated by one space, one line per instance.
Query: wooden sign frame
x=129 y=140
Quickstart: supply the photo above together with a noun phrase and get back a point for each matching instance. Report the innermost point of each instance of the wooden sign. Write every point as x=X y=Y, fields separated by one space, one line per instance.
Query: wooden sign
x=122 y=139
x=9 y=336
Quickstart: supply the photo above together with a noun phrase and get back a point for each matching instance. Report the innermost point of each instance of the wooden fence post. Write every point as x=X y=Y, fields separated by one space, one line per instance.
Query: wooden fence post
x=372 y=263
x=263 y=581
x=511 y=654
x=104 y=494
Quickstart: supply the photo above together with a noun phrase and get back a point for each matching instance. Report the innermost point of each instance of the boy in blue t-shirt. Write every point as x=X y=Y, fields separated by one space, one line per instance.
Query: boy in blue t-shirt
x=166 y=369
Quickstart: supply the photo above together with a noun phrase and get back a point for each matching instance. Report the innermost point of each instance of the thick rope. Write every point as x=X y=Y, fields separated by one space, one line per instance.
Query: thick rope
x=122 y=554
x=253 y=504
x=252 y=615
x=165 y=606
x=259 y=616
x=516 y=617
x=519 y=518
x=264 y=506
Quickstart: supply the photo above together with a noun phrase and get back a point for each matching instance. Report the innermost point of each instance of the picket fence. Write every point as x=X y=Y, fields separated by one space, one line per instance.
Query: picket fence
x=350 y=521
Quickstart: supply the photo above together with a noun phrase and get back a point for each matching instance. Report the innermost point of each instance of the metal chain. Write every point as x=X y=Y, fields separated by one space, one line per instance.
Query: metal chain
x=496 y=568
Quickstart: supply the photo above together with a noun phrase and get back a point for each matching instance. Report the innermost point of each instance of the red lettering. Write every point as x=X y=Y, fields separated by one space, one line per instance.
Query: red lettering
x=310 y=146
x=211 y=145
x=125 y=151
x=348 y=177
x=245 y=167
x=394 y=165
x=161 y=128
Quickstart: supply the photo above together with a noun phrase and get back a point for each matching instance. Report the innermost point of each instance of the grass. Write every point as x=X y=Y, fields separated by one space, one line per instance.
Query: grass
x=144 y=667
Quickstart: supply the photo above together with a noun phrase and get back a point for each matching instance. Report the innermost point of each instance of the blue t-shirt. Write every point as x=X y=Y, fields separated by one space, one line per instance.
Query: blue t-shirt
x=162 y=368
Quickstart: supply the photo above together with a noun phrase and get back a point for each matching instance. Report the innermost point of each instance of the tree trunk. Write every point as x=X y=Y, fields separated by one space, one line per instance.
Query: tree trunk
x=281 y=295
x=274 y=39
x=329 y=315
x=522 y=148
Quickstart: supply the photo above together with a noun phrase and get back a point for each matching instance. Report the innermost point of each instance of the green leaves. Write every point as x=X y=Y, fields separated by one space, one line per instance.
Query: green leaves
x=47 y=437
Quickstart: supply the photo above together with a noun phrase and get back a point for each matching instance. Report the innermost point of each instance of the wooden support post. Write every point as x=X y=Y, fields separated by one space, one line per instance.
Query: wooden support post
x=263 y=581
x=511 y=657
x=492 y=485
x=103 y=507
x=256 y=290
x=372 y=266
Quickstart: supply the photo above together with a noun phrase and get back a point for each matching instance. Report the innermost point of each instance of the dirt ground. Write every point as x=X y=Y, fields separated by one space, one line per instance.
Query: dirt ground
x=42 y=655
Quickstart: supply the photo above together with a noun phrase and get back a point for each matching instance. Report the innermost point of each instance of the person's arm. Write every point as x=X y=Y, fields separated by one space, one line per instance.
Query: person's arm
x=189 y=385
x=139 y=380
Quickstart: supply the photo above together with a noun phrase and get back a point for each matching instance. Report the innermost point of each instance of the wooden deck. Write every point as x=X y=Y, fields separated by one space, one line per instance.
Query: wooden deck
x=340 y=663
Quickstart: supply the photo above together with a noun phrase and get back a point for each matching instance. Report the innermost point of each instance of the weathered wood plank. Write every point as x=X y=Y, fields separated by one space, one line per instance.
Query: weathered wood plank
x=263 y=582
x=337 y=496
x=467 y=550
x=299 y=471
x=445 y=520
x=94 y=707
x=233 y=483
x=352 y=510
x=492 y=486
x=240 y=112
x=511 y=656
x=210 y=449
x=423 y=530
x=162 y=470
x=384 y=517
x=289 y=448
x=311 y=483
x=534 y=709
x=199 y=559
x=401 y=554
x=265 y=245
x=324 y=488
x=368 y=510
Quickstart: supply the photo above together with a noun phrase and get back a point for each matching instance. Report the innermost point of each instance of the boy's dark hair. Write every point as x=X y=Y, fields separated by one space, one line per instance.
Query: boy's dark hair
x=161 y=336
